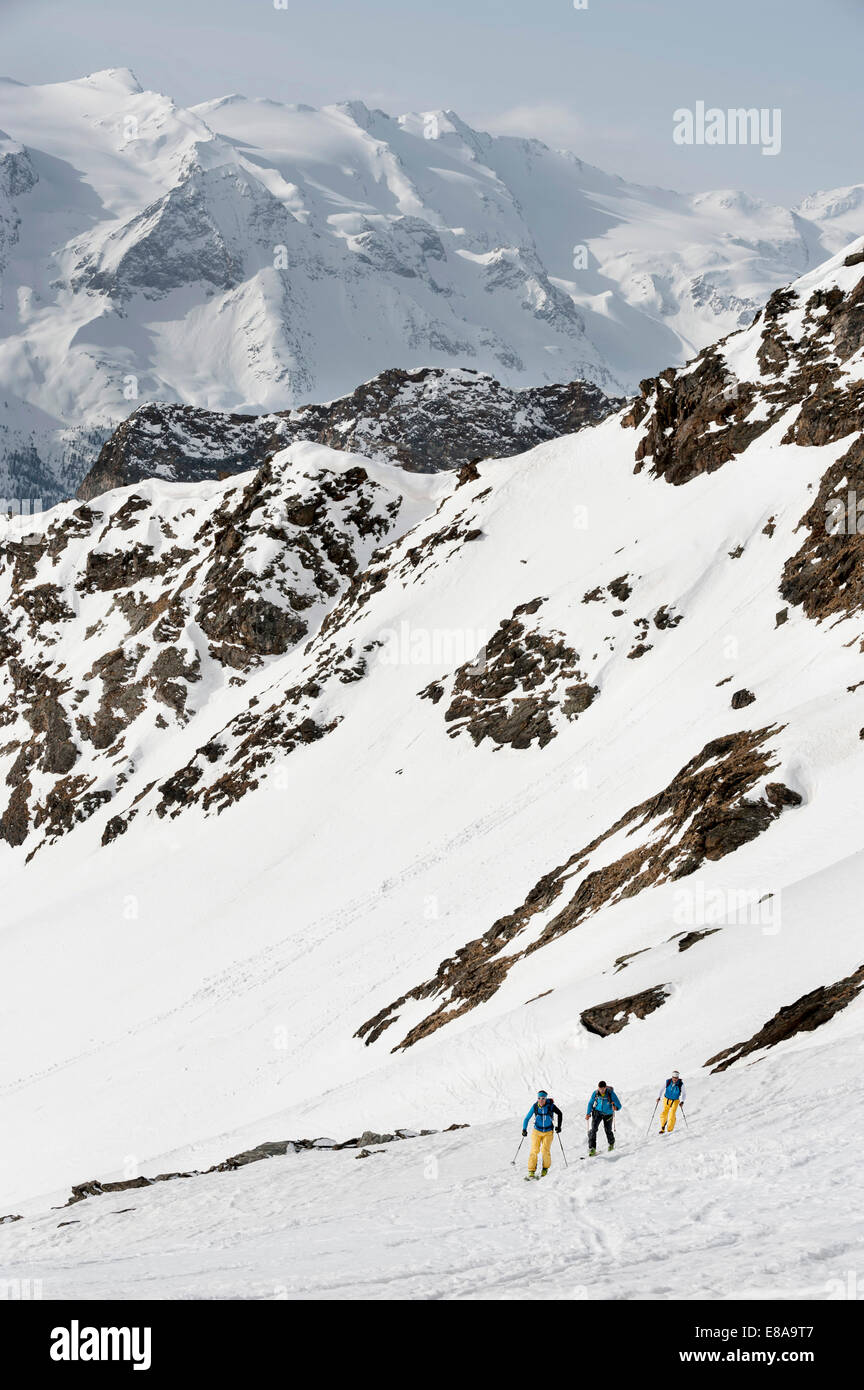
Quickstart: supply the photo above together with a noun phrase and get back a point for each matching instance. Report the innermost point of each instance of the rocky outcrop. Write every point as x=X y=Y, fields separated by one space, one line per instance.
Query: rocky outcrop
x=804 y=1016
x=158 y=602
x=615 y=1014
x=694 y=419
x=434 y=418
x=718 y=801
x=426 y=421
x=278 y=1148
x=690 y=938
x=232 y=764
x=180 y=444
x=825 y=576
x=511 y=689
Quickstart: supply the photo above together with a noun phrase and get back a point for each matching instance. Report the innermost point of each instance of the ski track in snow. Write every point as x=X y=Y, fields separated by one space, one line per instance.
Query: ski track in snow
x=752 y=1199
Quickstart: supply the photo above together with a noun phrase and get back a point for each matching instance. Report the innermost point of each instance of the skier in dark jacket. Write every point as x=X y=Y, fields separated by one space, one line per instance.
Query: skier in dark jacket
x=544 y=1111
x=601 y=1108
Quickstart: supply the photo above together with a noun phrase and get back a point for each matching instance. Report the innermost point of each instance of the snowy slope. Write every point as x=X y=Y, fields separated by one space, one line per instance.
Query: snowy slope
x=560 y=780
x=714 y=1212
x=247 y=255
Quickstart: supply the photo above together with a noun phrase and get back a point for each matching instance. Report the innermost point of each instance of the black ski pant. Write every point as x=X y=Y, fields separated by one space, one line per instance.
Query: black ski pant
x=596 y=1120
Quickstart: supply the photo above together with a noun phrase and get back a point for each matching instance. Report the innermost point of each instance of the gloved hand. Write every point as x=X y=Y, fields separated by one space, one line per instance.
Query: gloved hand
x=558 y=1129
x=524 y=1134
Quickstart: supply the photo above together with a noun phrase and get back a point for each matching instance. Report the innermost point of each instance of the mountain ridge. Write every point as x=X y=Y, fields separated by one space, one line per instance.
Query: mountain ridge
x=247 y=256
x=425 y=420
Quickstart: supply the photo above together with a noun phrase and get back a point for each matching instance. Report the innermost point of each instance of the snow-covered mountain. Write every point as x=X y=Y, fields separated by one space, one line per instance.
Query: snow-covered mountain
x=249 y=256
x=342 y=799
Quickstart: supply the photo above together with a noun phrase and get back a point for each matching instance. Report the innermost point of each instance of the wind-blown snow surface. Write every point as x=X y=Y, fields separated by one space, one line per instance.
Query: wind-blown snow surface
x=713 y=1212
x=248 y=255
x=196 y=985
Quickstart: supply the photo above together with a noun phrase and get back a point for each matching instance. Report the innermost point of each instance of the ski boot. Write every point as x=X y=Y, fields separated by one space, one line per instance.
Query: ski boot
x=543 y=1172
x=591 y=1153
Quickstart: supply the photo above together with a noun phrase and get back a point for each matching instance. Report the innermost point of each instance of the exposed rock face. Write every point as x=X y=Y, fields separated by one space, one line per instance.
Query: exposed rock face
x=695 y=419
x=511 y=690
x=611 y=1017
x=698 y=417
x=166 y=598
x=232 y=765
x=180 y=444
x=427 y=420
x=825 y=576
x=691 y=937
x=804 y=1016
x=271 y=1149
x=619 y=589
x=707 y=811
x=436 y=418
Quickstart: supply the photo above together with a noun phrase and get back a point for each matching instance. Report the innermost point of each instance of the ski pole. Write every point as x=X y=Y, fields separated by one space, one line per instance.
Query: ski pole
x=563 y=1155
x=686 y=1121
x=651 y=1121
x=516 y=1155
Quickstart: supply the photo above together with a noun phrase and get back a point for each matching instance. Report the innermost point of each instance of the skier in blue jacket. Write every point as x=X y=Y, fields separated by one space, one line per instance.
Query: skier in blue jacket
x=543 y=1111
x=601 y=1108
x=673 y=1092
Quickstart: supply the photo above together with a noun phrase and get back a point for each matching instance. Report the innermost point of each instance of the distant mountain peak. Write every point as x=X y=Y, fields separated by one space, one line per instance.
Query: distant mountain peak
x=111 y=79
x=247 y=256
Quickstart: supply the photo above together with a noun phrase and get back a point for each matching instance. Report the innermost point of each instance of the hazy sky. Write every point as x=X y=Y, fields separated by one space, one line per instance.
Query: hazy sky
x=603 y=81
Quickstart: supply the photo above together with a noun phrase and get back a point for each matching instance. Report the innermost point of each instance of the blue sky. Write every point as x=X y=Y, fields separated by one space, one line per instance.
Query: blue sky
x=603 y=81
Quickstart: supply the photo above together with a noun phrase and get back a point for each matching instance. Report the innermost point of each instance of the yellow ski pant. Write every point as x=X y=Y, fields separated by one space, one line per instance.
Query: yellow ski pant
x=541 y=1142
x=670 y=1110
